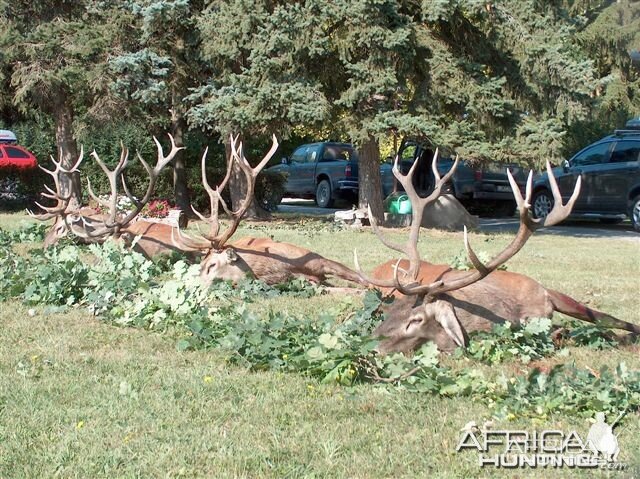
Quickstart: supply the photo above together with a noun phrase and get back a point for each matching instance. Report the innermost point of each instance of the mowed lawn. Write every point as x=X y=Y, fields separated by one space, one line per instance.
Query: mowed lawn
x=83 y=398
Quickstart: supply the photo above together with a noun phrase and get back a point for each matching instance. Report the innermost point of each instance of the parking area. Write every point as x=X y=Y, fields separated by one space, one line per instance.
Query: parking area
x=575 y=228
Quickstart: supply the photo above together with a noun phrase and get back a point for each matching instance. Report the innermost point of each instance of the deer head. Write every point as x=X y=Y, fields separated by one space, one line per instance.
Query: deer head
x=435 y=321
x=221 y=260
x=113 y=224
x=87 y=223
x=424 y=311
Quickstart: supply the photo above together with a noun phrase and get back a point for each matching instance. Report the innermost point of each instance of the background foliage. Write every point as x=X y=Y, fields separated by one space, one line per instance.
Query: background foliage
x=512 y=80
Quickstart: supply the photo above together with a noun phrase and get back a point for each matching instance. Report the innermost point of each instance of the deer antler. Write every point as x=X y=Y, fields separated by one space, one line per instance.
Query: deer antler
x=114 y=224
x=528 y=225
x=214 y=239
x=62 y=204
x=418 y=204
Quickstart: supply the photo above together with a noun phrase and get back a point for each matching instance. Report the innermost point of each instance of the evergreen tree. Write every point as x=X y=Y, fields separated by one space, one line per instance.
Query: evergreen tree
x=52 y=52
x=609 y=39
x=158 y=65
x=262 y=57
x=371 y=49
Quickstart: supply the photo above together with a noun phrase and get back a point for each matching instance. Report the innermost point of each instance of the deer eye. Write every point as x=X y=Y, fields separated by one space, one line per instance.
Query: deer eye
x=414 y=322
x=211 y=267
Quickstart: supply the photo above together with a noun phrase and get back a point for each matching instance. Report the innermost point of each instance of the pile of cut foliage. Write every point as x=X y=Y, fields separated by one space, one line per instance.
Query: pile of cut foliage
x=328 y=348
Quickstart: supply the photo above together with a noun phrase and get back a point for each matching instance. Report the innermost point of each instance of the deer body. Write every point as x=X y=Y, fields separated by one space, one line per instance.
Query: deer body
x=91 y=226
x=499 y=297
x=271 y=261
x=437 y=303
x=263 y=258
x=155 y=238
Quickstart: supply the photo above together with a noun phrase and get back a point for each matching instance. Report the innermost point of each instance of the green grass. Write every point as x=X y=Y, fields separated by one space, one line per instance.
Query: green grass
x=82 y=398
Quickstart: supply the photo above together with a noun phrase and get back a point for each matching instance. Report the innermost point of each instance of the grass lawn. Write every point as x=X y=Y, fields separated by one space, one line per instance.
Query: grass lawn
x=84 y=398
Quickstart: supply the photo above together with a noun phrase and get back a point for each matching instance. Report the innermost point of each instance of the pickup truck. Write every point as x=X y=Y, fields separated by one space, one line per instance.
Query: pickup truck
x=327 y=171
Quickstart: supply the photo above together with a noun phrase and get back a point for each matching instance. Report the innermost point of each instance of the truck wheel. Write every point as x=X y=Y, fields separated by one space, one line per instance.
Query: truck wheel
x=323 y=194
x=635 y=213
x=542 y=204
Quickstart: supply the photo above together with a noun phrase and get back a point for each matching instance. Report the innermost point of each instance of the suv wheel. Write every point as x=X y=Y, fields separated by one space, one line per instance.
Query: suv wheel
x=542 y=204
x=323 y=194
x=635 y=213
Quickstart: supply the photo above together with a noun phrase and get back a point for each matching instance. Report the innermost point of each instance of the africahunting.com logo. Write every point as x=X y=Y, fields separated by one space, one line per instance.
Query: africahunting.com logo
x=548 y=448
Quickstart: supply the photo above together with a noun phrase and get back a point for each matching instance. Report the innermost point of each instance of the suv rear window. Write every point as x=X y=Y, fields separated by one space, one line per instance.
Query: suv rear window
x=625 y=151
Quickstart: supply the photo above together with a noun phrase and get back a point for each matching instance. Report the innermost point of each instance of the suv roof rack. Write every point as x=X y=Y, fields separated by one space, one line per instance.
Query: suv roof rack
x=627 y=132
x=7 y=136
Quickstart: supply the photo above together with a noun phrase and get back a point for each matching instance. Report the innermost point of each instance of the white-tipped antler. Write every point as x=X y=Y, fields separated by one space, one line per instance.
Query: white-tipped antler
x=215 y=239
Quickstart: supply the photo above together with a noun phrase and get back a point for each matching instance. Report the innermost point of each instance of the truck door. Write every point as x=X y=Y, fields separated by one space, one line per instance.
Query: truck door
x=307 y=171
x=296 y=164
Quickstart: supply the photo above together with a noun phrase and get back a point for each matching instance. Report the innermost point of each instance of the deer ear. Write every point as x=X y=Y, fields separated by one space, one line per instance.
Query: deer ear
x=231 y=254
x=446 y=316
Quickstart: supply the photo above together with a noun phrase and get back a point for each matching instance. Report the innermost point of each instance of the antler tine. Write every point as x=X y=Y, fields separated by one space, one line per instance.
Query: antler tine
x=528 y=226
x=214 y=200
x=560 y=211
x=369 y=279
x=418 y=204
x=50 y=212
x=186 y=243
x=54 y=195
x=381 y=237
x=164 y=160
x=111 y=225
x=213 y=239
x=250 y=175
x=95 y=197
x=205 y=241
x=62 y=201
x=153 y=173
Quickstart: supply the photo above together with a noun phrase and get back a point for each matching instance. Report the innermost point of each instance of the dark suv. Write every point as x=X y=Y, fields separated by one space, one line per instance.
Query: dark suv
x=610 y=172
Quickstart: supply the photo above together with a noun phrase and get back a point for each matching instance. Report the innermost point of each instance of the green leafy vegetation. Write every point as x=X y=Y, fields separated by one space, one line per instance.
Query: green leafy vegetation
x=525 y=343
x=80 y=396
x=125 y=288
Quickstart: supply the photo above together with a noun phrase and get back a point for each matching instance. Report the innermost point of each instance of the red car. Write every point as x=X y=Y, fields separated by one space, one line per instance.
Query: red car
x=14 y=156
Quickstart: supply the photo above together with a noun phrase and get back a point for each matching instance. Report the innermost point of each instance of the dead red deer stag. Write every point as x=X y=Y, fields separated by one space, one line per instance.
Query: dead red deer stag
x=265 y=259
x=437 y=303
x=90 y=226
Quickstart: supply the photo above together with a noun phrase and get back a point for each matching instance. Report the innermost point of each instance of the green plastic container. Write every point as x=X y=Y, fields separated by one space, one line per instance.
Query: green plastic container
x=398 y=203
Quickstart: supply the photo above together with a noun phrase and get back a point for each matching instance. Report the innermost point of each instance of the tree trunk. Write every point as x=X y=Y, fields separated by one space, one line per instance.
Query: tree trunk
x=67 y=149
x=370 y=187
x=180 y=188
x=238 y=188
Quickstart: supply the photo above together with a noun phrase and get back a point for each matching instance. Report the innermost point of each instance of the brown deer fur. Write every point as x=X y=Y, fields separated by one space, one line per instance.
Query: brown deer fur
x=271 y=261
x=155 y=238
x=501 y=296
